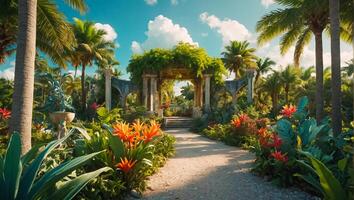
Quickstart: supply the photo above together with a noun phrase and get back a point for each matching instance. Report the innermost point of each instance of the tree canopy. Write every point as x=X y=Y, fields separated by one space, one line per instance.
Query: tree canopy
x=183 y=55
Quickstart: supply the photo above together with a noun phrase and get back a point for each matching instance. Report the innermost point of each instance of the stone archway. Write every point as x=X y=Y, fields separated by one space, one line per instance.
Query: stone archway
x=151 y=92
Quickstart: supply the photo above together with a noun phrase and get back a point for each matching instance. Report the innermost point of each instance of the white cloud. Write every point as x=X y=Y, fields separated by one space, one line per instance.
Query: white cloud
x=151 y=2
x=8 y=73
x=72 y=73
x=228 y=29
x=267 y=3
x=174 y=2
x=111 y=34
x=136 y=48
x=204 y=34
x=162 y=33
x=307 y=58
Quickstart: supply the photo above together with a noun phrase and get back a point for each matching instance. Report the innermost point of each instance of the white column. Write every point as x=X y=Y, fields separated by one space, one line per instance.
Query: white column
x=108 y=88
x=145 y=91
x=250 y=86
x=152 y=92
x=207 y=92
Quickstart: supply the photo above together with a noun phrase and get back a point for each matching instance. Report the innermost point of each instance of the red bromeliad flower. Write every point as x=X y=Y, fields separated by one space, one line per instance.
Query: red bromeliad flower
x=277 y=155
x=126 y=165
x=238 y=121
x=152 y=131
x=5 y=113
x=288 y=110
x=276 y=141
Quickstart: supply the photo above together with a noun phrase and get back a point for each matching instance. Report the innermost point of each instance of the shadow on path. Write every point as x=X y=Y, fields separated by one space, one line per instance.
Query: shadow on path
x=208 y=170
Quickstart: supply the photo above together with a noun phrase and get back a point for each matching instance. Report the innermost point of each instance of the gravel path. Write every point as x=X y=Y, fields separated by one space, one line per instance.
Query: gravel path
x=209 y=170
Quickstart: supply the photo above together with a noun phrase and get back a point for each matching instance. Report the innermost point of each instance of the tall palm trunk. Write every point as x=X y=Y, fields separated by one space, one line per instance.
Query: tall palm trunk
x=83 y=89
x=22 y=105
x=319 y=76
x=335 y=68
x=353 y=60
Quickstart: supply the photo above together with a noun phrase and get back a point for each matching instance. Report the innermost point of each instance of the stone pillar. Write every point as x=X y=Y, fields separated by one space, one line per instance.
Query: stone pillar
x=250 y=85
x=197 y=107
x=207 y=92
x=153 y=93
x=145 y=91
x=108 y=89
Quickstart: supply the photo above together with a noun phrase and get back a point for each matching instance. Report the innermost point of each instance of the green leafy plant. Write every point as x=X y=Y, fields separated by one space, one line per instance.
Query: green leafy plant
x=107 y=117
x=19 y=174
x=325 y=181
x=56 y=100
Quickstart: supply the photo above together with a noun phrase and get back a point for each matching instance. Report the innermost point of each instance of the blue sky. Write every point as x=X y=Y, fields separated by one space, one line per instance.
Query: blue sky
x=138 y=25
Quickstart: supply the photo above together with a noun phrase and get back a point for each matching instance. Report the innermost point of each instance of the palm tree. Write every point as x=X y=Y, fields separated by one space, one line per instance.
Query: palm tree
x=335 y=67
x=238 y=56
x=272 y=86
x=296 y=20
x=263 y=66
x=289 y=78
x=21 y=119
x=54 y=34
x=90 y=47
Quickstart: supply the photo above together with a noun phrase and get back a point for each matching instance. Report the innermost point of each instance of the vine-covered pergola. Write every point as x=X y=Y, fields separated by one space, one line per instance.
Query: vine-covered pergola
x=184 y=62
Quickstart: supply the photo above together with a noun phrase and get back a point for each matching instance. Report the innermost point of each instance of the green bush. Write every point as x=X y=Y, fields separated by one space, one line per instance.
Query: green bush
x=20 y=178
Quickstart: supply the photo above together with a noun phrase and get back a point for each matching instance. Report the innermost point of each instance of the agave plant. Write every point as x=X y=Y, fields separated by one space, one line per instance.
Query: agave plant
x=19 y=177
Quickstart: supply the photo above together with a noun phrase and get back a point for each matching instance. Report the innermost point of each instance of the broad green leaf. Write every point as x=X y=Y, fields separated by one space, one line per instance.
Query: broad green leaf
x=117 y=146
x=342 y=164
x=13 y=166
x=2 y=179
x=301 y=106
x=30 y=173
x=284 y=129
x=30 y=155
x=83 y=132
x=50 y=178
x=310 y=180
x=332 y=189
x=72 y=187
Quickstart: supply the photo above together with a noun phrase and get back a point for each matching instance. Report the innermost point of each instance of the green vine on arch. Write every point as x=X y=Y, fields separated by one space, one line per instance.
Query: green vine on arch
x=182 y=55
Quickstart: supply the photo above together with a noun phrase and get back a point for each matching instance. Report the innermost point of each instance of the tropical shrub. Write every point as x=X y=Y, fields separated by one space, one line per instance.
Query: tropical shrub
x=278 y=147
x=20 y=174
x=135 y=150
x=5 y=115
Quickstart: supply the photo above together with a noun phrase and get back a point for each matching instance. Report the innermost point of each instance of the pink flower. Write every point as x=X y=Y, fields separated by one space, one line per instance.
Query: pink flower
x=94 y=106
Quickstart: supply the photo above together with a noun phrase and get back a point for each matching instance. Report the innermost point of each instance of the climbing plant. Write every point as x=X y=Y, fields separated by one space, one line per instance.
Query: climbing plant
x=183 y=55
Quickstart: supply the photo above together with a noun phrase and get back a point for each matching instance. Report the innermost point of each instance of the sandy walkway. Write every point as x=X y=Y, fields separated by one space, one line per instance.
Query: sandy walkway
x=205 y=169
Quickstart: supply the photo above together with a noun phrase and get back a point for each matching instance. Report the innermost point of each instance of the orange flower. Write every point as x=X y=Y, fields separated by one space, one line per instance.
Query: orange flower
x=262 y=132
x=126 y=165
x=277 y=155
x=152 y=131
x=123 y=131
x=138 y=126
x=5 y=113
x=288 y=110
x=238 y=121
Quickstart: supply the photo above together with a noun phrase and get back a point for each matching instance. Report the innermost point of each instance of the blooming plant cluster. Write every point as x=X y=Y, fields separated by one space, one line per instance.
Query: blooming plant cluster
x=242 y=124
x=5 y=115
x=132 y=135
x=288 y=111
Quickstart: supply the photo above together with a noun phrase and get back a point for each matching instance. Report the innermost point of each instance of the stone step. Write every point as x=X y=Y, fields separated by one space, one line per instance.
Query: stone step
x=178 y=122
